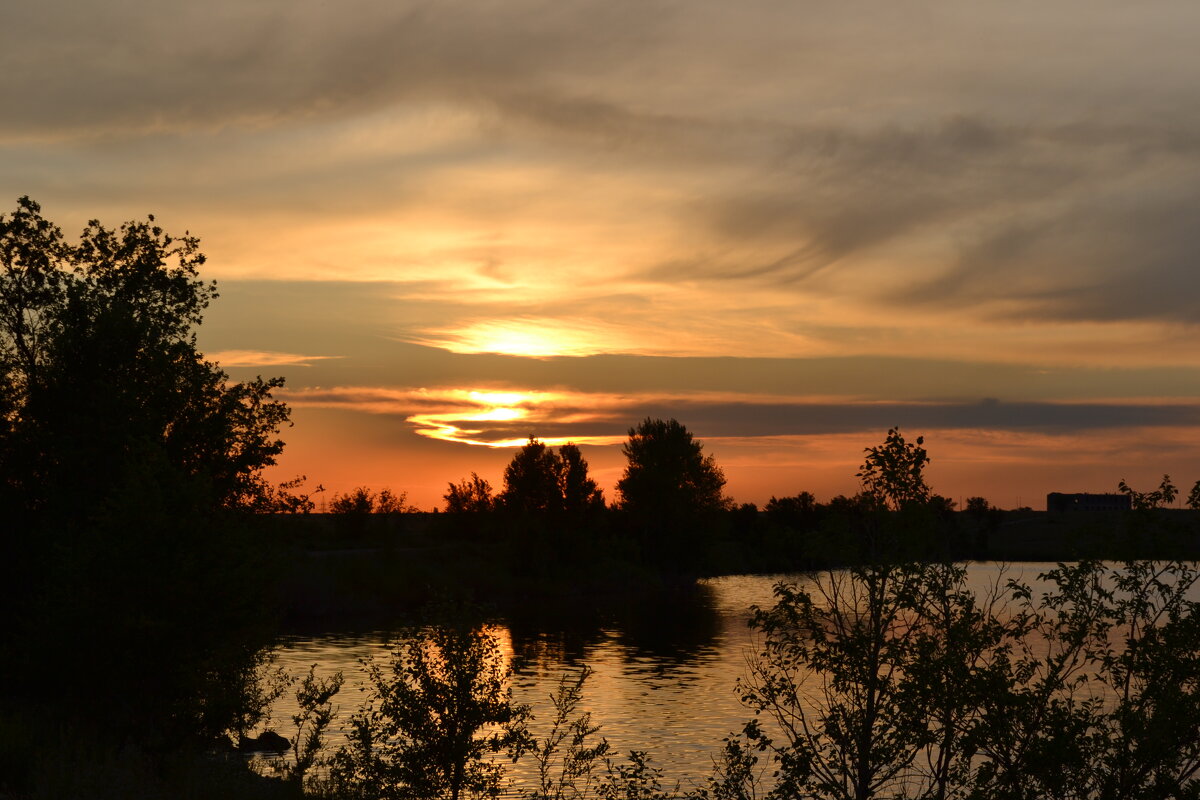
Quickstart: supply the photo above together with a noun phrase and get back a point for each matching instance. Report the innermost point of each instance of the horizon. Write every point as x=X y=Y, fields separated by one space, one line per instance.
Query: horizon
x=791 y=227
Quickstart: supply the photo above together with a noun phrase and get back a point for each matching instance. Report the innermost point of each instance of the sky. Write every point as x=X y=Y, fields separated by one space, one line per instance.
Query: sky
x=790 y=225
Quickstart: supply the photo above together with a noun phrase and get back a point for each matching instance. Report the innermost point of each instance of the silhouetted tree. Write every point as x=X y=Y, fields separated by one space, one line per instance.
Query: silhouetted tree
x=470 y=496
x=121 y=450
x=435 y=721
x=1164 y=495
x=540 y=481
x=98 y=359
x=978 y=506
x=533 y=480
x=362 y=501
x=668 y=473
x=799 y=512
x=580 y=493
x=893 y=473
x=355 y=502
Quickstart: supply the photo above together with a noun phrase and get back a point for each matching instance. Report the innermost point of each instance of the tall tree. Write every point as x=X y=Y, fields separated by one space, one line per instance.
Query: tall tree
x=580 y=493
x=99 y=362
x=532 y=482
x=668 y=474
x=121 y=450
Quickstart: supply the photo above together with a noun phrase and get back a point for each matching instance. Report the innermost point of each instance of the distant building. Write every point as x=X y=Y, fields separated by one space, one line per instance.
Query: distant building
x=1059 y=501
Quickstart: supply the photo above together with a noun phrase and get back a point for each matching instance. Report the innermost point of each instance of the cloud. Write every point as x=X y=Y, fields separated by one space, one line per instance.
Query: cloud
x=260 y=358
x=508 y=418
x=775 y=179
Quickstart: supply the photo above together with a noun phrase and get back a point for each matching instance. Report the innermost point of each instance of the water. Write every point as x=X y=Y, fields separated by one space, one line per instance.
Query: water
x=665 y=670
x=664 y=678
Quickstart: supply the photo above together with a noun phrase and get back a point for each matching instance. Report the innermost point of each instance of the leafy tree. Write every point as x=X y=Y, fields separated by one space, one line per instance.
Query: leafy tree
x=869 y=676
x=978 y=506
x=99 y=361
x=540 y=481
x=1164 y=495
x=121 y=451
x=1101 y=690
x=580 y=493
x=893 y=473
x=356 y=502
x=388 y=502
x=799 y=512
x=363 y=501
x=314 y=714
x=668 y=473
x=434 y=720
x=470 y=496
x=567 y=757
x=533 y=480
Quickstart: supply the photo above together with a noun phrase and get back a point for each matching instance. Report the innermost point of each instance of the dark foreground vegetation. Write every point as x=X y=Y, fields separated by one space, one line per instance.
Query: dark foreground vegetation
x=148 y=565
x=886 y=677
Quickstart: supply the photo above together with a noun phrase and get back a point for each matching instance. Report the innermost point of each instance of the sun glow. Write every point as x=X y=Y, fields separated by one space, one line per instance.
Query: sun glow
x=460 y=425
x=533 y=338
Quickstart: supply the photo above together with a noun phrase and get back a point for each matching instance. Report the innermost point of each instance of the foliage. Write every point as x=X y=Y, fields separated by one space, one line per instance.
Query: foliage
x=637 y=779
x=112 y=320
x=568 y=774
x=581 y=494
x=315 y=712
x=532 y=480
x=668 y=473
x=1164 y=495
x=868 y=677
x=470 y=496
x=1102 y=694
x=434 y=718
x=122 y=452
x=798 y=512
x=540 y=481
x=893 y=473
x=362 y=501
x=892 y=678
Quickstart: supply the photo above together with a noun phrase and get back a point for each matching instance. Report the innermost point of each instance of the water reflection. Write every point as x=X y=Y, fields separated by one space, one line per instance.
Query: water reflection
x=665 y=666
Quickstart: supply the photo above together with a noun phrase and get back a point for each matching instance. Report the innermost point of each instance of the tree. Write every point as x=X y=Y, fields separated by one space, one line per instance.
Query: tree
x=893 y=473
x=580 y=493
x=799 y=512
x=470 y=496
x=121 y=451
x=533 y=480
x=565 y=759
x=362 y=501
x=1100 y=691
x=99 y=362
x=870 y=678
x=1164 y=495
x=540 y=481
x=668 y=474
x=358 y=502
x=870 y=675
x=434 y=719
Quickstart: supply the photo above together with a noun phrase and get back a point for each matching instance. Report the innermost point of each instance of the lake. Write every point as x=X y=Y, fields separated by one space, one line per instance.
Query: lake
x=665 y=669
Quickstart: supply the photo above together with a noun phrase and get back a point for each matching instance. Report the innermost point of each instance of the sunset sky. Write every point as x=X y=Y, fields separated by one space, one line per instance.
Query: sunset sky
x=790 y=225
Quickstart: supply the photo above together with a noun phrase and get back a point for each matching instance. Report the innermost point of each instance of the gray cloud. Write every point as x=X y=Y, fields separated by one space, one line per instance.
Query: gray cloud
x=313 y=318
x=751 y=419
x=1051 y=150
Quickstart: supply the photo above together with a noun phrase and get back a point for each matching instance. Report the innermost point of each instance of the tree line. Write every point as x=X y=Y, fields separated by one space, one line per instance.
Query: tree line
x=890 y=678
